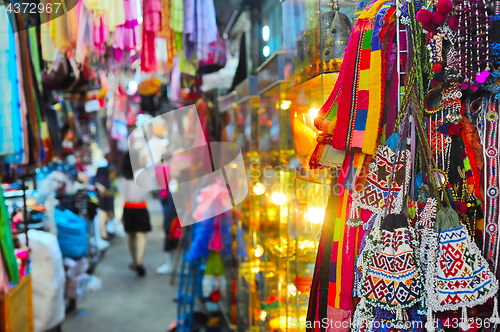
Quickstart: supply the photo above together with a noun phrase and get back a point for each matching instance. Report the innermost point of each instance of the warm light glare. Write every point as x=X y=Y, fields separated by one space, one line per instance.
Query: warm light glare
x=266 y=51
x=278 y=198
x=278 y=323
x=313 y=112
x=285 y=104
x=258 y=251
x=263 y=315
x=259 y=189
x=315 y=215
x=292 y=290
x=266 y=32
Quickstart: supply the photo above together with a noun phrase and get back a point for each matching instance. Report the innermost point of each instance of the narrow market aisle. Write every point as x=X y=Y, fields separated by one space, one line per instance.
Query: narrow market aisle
x=127 y=303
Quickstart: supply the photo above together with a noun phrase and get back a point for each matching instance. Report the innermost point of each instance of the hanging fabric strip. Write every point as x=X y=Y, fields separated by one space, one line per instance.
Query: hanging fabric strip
x=318 y=299
x=490 y=246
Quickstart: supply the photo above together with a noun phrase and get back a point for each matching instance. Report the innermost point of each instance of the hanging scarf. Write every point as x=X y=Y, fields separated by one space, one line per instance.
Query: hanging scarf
x=352 y=112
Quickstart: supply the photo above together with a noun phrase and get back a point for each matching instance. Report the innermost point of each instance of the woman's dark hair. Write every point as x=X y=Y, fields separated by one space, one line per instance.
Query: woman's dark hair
x=127 y=170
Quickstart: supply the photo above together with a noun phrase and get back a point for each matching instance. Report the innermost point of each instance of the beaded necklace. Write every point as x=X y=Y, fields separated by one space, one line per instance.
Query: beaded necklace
x=474 y=43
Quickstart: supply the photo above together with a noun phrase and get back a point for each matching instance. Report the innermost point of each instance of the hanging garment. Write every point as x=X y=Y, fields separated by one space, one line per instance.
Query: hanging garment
x=115 y=14
x=49 y=49
x=101 y=34
x=9 y=105
x=34 y=118
x=338 y=256
x=353 y=111
x=58 y=28
x=189 y=31
x=177 y=22
x=166 y=32
x=151 y=26
x=6 y=242
x=85 y=41
x=73 y=23
x=127 y=36
x=318 y=307
x=23 y=158
x=175 y=81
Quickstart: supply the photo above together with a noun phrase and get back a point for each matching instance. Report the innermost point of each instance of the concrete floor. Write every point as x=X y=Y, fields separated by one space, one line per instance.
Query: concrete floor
x=127 y=303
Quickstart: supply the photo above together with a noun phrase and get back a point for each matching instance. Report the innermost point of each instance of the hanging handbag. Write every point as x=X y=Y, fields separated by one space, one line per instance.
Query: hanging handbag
x=217 y=56
x=458 y=276
x=392 y=277
x=61 y=76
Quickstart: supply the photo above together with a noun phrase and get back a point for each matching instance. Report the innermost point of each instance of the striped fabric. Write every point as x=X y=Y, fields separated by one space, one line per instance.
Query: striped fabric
x=177 y=15
x=206 y=28
x=166 y=32
x=353 y=111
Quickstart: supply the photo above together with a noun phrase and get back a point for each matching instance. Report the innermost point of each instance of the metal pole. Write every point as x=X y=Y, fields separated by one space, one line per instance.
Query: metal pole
x=25 y=209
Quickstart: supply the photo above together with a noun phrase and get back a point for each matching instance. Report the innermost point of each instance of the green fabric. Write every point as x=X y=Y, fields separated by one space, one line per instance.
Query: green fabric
x=188 y=66
x=178 y=41
x=35 y=56
x=6 y=242
x=177 y=15
x=215 y=265
x=447 y=218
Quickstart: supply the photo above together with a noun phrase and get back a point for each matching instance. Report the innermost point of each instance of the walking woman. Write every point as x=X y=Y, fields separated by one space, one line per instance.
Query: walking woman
x=135 y=215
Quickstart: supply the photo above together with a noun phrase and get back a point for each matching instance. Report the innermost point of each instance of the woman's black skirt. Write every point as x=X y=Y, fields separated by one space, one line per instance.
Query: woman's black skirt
x=136 y=220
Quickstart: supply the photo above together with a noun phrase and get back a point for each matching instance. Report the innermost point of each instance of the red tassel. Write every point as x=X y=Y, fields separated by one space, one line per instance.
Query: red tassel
x=453 y=23
x=424 y=16
x=439 y=18
x=430 y=27
x=437 y=68
x=444 y=7
x=435 y=84
x=462 y=207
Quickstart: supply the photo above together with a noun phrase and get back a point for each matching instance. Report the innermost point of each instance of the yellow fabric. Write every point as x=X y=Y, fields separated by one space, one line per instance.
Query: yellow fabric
x=113 y=9
x=58 y=28
x=375 y=105
x=115 y=13
x=98 y=6
x=49 y=50
x=364 y=80
x=59 y=32
x=370 y=13
x=331 y=125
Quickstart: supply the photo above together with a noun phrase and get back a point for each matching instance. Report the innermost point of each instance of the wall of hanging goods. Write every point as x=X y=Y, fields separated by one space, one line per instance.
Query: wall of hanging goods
x=374 y=186
x=411 y=239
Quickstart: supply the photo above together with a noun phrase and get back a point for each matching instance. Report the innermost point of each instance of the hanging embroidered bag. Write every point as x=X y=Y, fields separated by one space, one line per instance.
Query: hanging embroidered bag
x=458 y=276
x=392 y=279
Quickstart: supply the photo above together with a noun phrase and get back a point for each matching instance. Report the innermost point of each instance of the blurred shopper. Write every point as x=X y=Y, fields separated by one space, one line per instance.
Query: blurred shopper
x=135 y=215
x=169 y=215
x=105 y=195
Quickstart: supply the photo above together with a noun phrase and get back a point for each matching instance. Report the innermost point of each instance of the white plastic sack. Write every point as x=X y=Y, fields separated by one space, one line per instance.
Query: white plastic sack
x=48 y=280
x=76 y=287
